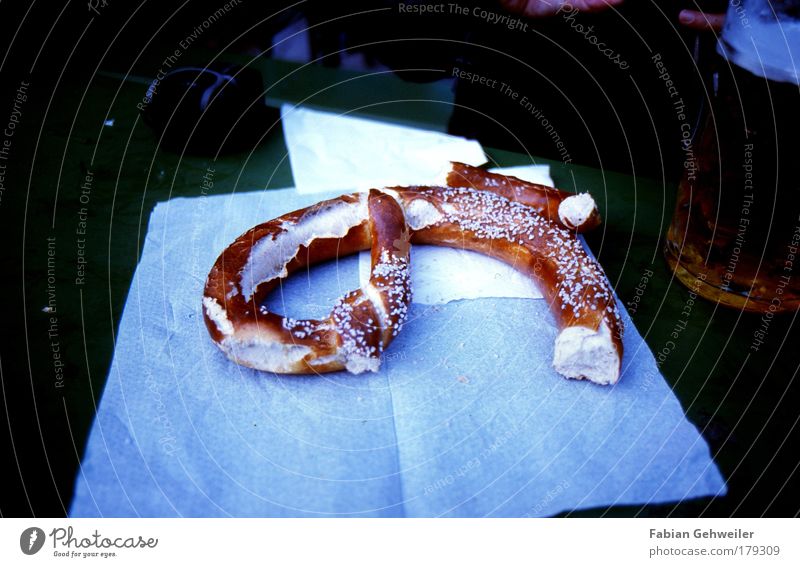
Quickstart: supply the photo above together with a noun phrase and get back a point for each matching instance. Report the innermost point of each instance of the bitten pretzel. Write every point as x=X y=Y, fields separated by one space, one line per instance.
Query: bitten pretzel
x=589 y=342
x=362 y=323
x=573 y=211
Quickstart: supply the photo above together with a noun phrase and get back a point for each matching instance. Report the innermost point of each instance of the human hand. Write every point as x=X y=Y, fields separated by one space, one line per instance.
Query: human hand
x=544 y=8
x=701 y=21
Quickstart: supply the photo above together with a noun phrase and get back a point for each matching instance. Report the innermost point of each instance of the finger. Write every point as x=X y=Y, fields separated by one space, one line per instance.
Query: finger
x=532 y=8
x=545 y=8
x=701 y=21
x=598 y=5
x=590 y=6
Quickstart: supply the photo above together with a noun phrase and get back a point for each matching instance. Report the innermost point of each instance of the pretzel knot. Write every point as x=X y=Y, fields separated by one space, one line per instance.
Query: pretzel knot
x=363 y=323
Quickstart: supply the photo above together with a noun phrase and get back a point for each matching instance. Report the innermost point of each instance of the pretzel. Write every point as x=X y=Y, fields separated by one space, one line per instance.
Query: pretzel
x=576 y=212
x=362 y=323
x=589 y=342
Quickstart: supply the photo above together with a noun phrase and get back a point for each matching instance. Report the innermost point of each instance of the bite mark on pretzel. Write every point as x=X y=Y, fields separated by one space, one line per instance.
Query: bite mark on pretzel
x=362 y=323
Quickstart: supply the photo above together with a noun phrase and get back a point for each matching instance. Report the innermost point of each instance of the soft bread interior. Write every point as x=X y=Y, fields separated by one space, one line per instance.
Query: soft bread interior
x=581 y=352
x=265 y=354
x=420 y=213
x=576 y=209
x=270 y=255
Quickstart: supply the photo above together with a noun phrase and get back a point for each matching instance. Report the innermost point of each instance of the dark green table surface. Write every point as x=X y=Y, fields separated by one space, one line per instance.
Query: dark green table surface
x=743 y=402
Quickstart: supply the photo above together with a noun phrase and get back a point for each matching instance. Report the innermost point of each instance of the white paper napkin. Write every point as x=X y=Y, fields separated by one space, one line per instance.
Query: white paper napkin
x=466 y=416
x=339 y=152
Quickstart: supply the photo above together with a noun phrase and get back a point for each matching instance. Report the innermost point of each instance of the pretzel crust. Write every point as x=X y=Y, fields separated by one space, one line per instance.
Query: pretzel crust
x=589 y=344
x=576 y=212
x=362 y=323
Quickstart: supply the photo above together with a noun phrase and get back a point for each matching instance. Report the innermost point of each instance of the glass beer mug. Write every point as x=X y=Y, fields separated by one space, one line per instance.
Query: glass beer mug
x=735 y=233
